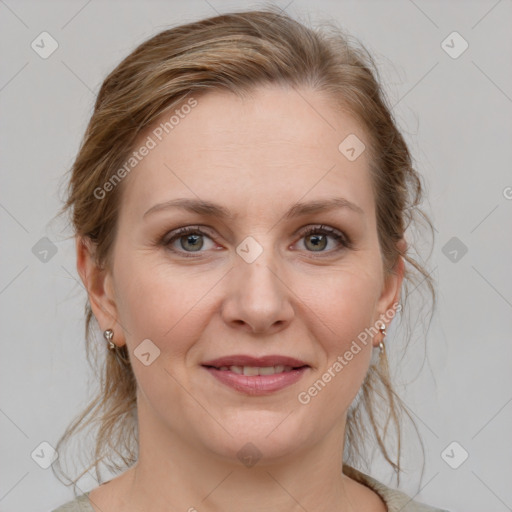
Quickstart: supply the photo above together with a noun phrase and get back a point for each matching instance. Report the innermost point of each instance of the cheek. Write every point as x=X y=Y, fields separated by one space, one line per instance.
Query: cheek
x=343 y=315
x=344 y=305
x=164 y=307
x=157 y=302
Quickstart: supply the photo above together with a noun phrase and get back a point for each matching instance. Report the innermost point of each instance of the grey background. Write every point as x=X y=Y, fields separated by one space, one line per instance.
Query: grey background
x=456 y=116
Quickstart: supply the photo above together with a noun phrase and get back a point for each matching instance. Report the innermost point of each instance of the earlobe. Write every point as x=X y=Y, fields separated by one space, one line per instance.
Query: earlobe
x=98 y=283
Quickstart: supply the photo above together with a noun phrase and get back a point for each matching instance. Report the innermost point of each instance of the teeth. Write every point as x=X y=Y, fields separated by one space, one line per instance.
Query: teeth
x=270 y=370
x=251 y=370
x=257 y=370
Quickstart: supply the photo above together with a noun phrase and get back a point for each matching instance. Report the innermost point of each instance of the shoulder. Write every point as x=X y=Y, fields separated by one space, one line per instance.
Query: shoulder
x=80 y=504
x=396 y=501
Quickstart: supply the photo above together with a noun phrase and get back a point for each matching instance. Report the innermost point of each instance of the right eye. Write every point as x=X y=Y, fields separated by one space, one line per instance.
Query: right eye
x=190 y=239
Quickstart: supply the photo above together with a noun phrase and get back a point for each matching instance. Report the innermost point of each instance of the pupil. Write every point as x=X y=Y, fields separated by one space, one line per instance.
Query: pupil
x=315 y=240
x=193 y=238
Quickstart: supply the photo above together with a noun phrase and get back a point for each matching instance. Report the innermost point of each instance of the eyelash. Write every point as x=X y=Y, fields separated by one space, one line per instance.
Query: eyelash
x=340 y=237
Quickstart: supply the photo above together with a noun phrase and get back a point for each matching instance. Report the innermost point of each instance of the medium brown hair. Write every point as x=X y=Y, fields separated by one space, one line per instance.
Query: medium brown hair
x=237 y=52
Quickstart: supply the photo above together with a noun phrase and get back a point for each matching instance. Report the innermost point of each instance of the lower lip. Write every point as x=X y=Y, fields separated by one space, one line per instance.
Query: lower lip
x=257 y=384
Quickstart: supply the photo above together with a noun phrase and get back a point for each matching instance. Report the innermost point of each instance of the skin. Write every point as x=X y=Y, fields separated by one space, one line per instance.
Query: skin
x=257 y=157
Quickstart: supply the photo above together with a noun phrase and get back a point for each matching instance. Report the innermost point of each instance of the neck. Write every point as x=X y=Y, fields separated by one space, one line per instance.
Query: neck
x=172 y=474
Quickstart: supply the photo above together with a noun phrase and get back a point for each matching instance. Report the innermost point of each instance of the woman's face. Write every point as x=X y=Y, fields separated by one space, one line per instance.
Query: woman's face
x=252 y=283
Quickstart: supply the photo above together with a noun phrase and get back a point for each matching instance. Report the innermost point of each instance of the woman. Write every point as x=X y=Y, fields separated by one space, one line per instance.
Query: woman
x=240 y=203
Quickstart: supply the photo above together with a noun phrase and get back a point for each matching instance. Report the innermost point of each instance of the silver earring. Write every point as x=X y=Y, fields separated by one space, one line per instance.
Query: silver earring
x=383 y=332
x=108 y=335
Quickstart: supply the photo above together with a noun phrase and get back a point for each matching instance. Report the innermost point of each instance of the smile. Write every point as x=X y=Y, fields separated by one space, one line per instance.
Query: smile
x=256 y=370
x=256 y=376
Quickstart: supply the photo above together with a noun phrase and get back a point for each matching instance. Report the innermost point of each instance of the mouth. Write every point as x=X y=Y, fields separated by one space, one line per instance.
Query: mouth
x=256 y=376
x=256 y=370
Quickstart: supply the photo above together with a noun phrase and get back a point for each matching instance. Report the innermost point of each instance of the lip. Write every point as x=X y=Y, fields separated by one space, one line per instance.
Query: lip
x=256 y=385
x=244 y=360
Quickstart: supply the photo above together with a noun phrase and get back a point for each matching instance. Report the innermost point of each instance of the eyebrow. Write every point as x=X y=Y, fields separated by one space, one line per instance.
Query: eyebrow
x=211 y=209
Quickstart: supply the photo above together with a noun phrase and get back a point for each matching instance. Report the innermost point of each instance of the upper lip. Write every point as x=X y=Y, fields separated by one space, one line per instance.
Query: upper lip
x=243 y=360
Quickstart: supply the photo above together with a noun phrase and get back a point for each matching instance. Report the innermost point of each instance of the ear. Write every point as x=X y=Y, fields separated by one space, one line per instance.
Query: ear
x=390 y=296
x=99 y=285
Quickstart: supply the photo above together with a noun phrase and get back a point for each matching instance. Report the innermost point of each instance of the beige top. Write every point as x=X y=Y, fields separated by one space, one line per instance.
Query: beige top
x=395 y=500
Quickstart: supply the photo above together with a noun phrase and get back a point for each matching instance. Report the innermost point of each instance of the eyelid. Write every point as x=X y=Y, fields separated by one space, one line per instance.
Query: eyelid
x=181 y=231
x=175 y=234
x=342 y=237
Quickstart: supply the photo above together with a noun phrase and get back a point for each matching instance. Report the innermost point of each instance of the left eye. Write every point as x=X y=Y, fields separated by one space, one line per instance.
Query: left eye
x=318 y=237
x=315 y=238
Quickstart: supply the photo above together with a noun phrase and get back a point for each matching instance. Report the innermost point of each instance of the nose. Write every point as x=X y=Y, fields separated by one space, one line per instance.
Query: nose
x=258 y=299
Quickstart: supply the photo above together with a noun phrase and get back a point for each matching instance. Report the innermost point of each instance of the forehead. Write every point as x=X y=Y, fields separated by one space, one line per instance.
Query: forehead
x=273 y=144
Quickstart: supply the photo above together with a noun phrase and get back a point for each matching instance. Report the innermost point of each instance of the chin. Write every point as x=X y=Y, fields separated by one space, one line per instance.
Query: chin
x=265 y=436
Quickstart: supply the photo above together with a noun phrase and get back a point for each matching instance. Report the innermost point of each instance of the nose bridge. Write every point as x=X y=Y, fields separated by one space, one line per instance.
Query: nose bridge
x=258 y=267
x=257 y=296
